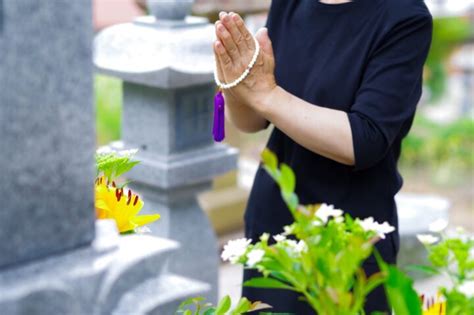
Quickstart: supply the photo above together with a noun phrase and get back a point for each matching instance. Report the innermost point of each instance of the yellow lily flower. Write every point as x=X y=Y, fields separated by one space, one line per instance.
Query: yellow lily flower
x=434 y=307
x=114 y=203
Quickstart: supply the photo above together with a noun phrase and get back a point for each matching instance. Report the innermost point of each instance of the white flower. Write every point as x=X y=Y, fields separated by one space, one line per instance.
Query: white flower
x=127 y=153
x=288 y=230
x=467 y=288
x=279 y=238
x=301 y=246
x=325 y=211
x=291 y=244
x=369 y=224
x=427 y=239
x=235 y=249
x=254 y=257
x=296 y=247
x=339 y=219
x=438 y=226
x=104 y=150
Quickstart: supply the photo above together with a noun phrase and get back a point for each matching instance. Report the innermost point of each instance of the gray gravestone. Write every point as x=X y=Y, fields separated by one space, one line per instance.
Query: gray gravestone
x=47 y=177
x=46 y=114
x=1 y=16
x=167 y=68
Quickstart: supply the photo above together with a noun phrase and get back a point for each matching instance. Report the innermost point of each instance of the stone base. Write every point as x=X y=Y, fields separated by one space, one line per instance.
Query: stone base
x=183 y=221
x=112 y=276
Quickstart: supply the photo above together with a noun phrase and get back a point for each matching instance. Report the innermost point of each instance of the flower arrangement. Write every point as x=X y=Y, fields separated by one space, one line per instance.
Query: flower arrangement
x=320 y=256
x=118 y=203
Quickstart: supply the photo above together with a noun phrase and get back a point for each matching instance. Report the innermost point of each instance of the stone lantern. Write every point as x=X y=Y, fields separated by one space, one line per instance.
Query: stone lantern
x=166 y=63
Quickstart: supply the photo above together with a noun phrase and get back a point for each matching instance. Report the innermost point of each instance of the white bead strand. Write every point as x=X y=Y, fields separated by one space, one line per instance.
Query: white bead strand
x=226 y=86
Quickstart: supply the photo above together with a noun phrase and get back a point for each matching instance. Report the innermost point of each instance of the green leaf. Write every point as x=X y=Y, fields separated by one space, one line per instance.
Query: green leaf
x=269 y=159
x=243 y=306
x=257 y=306
x=399 y=288
x=287 y=179
x=291 y=201
x=211 y=311
x=223 y=306
x=268 y=283
x=425 y=269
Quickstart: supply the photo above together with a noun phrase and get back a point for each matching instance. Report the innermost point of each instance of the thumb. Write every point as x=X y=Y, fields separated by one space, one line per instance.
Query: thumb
x=264 y=41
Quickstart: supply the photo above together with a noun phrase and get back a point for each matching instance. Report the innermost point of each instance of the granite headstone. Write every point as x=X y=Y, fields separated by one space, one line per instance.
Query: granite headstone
x=47 y=139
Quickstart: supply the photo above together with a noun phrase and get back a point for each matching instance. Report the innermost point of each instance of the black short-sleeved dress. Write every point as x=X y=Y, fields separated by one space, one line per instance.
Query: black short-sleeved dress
x=365 y=58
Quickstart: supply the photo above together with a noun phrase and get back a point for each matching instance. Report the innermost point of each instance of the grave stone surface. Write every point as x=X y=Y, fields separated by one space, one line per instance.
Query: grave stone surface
x=55 y=258
x=167 y=68
x=47 y=145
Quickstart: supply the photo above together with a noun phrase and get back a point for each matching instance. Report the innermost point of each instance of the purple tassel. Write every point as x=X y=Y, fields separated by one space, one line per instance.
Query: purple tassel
x=218 y=130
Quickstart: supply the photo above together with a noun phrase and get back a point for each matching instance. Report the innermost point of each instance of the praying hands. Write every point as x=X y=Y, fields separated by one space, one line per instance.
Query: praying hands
x=234 y=49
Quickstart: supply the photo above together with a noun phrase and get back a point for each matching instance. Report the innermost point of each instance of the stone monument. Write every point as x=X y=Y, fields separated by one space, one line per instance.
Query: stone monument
x=54 y=258
x=166 y=65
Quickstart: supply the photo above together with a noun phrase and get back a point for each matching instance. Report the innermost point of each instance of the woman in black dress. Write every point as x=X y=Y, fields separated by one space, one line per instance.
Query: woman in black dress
x=340 y=81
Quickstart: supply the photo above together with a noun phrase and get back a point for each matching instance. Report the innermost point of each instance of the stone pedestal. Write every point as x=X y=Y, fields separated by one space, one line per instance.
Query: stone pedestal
x=167 y=69
x=115 y=275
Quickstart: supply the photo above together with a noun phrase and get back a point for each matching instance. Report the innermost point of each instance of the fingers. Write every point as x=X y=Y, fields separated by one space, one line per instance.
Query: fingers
x=222 y=58
x=246 y=35
x=228 y=20
x=226 y=39
x=264 y=41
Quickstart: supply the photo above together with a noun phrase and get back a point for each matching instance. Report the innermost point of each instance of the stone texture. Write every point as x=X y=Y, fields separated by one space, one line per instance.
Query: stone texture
x=99 y=279
x=47 y=128
x=157 y=54
x=168 y=89
x=170 y=9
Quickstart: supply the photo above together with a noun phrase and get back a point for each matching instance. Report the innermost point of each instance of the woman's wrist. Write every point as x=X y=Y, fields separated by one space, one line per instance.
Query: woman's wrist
x=269 y=105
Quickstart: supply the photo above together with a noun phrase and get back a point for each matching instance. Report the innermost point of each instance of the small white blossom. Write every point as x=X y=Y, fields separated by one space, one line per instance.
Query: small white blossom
x=301 y=246
x=288 y=230
x=369 y=224
x=427 y=239
x=127 y=153
x=104 y=150
x=339 y=219
x=292 y=244
x=326 y=211
x=438 y=226
x=254 y=257
x=235 y=249
x=279 y=238
x=467 y=288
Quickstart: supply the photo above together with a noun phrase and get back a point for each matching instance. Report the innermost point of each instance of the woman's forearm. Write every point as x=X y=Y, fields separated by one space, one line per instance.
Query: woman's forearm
x=244 y=117
x=324 y=131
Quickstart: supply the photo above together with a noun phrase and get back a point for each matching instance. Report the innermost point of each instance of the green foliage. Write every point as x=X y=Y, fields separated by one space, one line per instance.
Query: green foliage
x=320 y=259
x=458 y=303
x=448 y=33
x=198 y=306
x=446 y=150
x=114 y=164
x=400 y=292
x=108 y=98
x=454 y=257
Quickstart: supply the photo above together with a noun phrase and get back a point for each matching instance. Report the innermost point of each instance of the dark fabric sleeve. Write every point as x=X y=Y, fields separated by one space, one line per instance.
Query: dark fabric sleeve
x=390 y=90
